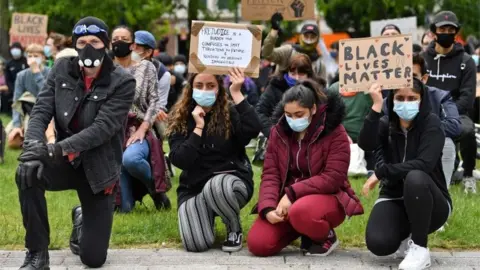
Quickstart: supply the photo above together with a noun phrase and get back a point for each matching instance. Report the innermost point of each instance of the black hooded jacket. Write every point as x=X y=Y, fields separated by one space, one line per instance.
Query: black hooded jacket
x=397 y=152
x=455 y=72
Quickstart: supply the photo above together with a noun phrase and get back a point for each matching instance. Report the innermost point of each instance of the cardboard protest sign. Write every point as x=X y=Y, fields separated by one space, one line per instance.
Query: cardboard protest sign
x=292 y=10
x=478 y=85
x=28 y=28
x=383 y=60
x=216 y=47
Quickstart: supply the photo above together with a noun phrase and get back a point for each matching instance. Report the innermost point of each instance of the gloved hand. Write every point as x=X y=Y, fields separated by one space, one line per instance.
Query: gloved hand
x=27 y=172
x=38 y=150
x=276 y=21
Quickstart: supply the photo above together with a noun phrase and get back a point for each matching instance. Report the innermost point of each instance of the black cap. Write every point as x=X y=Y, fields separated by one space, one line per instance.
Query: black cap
x=444 y=18
x=180 y=58
x=88 y=21
x=17 y=45
x=389 y=27
x=310 y=28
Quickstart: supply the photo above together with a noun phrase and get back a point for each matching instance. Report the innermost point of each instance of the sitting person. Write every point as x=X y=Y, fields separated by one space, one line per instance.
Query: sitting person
x=304 y=189
x=414 y=199
x=207 y=135
x=28 y=84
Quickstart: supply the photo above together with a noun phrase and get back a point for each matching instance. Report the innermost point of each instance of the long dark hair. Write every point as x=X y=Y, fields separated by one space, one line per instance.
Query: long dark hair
x=303 y=64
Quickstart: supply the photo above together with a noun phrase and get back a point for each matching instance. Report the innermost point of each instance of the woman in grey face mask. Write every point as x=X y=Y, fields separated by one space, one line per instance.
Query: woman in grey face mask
x=143 y=161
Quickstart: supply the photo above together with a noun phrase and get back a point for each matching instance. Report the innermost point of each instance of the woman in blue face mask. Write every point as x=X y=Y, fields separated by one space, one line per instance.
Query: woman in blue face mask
x=207 y=133
x=304 y=189
x=414 y=199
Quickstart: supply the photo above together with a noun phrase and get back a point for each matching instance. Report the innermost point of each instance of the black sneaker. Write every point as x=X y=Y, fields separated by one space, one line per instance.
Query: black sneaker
x=161 y=201
x=77 y=222
x=233 y=243
x=39 y=260
x=326 y=247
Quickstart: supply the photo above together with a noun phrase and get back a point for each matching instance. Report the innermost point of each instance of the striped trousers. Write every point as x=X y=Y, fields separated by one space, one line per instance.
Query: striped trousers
x=223 y=195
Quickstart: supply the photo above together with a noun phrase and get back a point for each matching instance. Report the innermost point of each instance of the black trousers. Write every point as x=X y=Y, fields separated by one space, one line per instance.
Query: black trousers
x=468 y=145
x=423 y=210
x=97 y=211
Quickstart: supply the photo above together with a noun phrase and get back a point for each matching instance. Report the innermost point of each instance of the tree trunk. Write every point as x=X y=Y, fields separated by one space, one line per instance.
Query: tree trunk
x=4 y=27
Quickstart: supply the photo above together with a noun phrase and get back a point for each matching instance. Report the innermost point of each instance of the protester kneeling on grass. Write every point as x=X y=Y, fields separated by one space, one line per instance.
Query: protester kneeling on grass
x=414 y=199
x=305 y=189
x=207 y=134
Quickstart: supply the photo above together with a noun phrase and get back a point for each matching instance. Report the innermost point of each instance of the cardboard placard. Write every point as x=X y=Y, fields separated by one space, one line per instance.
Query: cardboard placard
x=478 y=85
x=383 y=60
x=292 y=10
x=28 y=28
x=216 y=47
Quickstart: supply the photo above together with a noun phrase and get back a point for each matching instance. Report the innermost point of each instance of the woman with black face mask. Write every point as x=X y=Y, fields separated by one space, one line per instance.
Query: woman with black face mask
x=143 y=168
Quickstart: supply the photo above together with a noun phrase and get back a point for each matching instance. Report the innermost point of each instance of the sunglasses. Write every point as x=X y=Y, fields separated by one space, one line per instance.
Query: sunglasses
x=91 y=29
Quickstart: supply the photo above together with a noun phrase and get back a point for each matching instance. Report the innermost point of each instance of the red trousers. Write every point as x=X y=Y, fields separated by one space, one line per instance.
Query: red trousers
x=313 y=216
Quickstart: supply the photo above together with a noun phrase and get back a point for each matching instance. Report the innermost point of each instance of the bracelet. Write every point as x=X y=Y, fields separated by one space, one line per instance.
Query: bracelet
x=199 y=128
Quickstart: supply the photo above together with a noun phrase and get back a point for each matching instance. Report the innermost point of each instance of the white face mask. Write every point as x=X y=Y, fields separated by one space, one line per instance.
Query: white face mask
x=136 y=57
x=309 y=41
x=180 y=69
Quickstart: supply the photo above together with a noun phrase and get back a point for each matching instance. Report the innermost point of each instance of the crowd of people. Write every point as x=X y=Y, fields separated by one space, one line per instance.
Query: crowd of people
x=95 y=109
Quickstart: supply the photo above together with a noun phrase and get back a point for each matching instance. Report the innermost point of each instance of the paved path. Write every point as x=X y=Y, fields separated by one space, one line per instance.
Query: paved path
x=216 y=260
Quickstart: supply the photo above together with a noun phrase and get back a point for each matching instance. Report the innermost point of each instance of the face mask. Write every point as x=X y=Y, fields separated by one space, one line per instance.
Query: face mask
x=334 y=54
x=90 y=57
x=16 y=53
x=290 y=81
x=299 y=124
x=445 y=40
x=121 y=48
x=204 y=98
x=476 y=58
x=406 y=110
x=47 y=51
x=180 y=69
x=309 y=41
x=39 y=60
x=136 y=57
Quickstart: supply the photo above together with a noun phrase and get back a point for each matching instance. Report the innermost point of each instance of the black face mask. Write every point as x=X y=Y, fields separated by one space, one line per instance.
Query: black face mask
x=90 y=57
x=121 y=48
x=445 y=40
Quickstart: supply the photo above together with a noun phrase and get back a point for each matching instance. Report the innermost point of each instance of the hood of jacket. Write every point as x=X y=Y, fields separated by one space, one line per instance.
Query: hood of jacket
x=328 y=117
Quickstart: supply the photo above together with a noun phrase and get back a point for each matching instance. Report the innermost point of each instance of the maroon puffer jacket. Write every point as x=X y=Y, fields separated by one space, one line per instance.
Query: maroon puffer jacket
x=328 y=155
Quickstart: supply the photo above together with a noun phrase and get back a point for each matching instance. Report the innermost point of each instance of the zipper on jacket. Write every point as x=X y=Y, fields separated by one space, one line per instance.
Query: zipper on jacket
x=298 y=154
x=405 y=148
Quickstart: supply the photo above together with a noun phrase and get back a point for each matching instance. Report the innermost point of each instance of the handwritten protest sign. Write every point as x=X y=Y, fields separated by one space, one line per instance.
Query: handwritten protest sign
x=28 y=28
x=292 y=10
x=383 y=60
x=478 y=85
x=216 y=47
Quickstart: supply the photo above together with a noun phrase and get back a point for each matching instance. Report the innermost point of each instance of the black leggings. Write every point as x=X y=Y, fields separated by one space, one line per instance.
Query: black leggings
x=97 y=212
x=423 y=210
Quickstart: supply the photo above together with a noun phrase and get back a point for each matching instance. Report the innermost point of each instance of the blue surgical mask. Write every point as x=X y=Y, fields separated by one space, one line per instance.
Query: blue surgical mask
x=16 y=53
x=180 y=69
x=290 y=81
x=334 y=54
x=476 y=58
x=299 y=124
x=204 y=98
x=406 y=110
x=47 y=51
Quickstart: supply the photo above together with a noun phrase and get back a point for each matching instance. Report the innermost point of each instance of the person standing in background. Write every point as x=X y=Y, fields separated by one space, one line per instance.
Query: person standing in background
x=14 y=66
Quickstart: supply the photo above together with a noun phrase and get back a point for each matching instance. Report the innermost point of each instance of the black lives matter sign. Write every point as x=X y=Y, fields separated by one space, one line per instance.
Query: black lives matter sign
x=28 y=28
x=383 y=60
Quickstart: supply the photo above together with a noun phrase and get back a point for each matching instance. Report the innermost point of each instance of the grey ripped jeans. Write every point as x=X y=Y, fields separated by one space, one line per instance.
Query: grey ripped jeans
x=448 y=159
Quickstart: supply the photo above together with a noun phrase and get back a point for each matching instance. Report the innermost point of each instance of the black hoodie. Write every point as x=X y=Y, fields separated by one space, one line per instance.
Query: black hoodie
x=397 y=152
x=450 y=72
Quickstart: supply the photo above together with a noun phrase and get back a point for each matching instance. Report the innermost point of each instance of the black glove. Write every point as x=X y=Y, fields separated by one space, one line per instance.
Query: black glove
x=37 y=150
x=276 y=21
x=27 y=172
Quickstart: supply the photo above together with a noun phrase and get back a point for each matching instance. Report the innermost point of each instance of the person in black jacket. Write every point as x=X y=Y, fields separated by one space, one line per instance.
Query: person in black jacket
x=299 y=68
x=414 y=198
x=89 y=98
x=207 y=135
x=450 y=68
x=14 y=66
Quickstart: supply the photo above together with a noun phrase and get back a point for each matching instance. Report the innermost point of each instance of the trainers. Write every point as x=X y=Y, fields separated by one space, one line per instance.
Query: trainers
x=476 y=174
x=161 y=201
x=402 y=250
x=326 y=247
x=417 y=258
x=470 y=184
x=233 y=243
x=77 y=222
x=39 y=260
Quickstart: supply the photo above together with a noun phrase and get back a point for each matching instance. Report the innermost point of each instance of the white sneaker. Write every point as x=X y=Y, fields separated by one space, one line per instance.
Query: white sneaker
x=403 y=249
x=476 y=174
x=418 y=258
x=470 y=184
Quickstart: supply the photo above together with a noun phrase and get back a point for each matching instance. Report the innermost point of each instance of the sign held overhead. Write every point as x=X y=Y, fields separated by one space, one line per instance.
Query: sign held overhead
x=383 y=60
x=292 y=10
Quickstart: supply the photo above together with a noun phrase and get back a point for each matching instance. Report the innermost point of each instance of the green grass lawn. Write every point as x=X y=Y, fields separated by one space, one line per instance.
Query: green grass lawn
x=146 y=227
